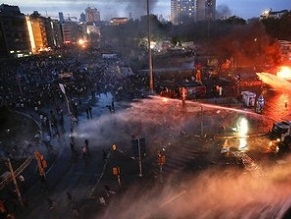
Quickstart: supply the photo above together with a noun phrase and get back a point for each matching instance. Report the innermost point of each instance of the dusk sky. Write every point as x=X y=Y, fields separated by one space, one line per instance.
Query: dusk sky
x=115 y=8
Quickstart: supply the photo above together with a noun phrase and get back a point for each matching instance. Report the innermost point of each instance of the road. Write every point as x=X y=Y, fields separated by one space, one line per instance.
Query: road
x=278 y=105
x=167 y=126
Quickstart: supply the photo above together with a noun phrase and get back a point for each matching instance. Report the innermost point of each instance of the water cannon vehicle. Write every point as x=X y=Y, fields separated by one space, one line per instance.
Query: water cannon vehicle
x=248 y=98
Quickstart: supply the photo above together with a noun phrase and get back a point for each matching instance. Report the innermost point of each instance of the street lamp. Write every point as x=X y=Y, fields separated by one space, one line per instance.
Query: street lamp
x=150 y=52
x=201 y=122
x=139 y=148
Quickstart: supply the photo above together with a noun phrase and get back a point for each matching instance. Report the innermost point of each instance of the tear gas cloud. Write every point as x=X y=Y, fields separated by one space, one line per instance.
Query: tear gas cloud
x=140 y=121
x=212 y=194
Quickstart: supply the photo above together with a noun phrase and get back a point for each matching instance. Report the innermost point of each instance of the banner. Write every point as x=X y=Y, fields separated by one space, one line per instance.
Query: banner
x=62 y=88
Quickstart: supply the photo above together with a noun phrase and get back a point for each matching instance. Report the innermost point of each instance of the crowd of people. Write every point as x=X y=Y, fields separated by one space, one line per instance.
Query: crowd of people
x=32 y=85
x=33 y=82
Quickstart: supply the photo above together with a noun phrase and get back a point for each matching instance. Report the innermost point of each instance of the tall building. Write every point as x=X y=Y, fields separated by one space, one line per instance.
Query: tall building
x=273 y=14
x=192 y=10
x=92 y=15
x=82 y=17
x=61 y=17
x=44 y=33
x=182 y=11
x=38 y=31
x=205 y=10
x=14 y=37
x=285 y=47
x=72 y=32
x=118 y=20
x=53 y=33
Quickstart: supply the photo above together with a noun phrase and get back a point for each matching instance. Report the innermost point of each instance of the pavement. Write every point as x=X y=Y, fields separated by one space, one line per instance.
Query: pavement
x=88 y=199
x=60 y=164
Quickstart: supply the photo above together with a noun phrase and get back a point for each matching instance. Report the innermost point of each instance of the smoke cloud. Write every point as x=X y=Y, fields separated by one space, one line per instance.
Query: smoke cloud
x=212 y=194
x=139 y=7
x=128 y=8
x=219 y=192
x=222 y=11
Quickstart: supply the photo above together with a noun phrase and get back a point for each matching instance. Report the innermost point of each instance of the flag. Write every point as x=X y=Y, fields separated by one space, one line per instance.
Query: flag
x=62 y=88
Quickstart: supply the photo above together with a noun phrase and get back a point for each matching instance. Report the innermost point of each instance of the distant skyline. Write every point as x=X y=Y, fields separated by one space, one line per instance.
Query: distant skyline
x=123 y=8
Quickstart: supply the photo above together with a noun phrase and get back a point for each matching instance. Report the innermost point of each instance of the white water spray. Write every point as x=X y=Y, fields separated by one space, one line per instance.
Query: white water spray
x=277 y=83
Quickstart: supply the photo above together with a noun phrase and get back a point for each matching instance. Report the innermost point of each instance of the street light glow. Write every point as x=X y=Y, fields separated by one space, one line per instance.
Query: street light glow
x=242 y=129
x=284 y=72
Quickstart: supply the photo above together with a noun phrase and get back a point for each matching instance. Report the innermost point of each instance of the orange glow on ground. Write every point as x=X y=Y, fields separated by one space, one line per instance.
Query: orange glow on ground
x=284 y=72
x=165 y=99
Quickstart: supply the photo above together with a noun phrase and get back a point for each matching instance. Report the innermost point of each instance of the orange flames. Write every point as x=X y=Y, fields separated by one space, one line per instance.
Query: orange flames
x=284 y=72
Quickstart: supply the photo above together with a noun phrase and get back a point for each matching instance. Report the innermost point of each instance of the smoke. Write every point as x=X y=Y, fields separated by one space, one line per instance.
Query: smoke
x=138 y=8
x=222 y=11
x=129 y=8
x=107 y=9
x=212 y=194
x=120 y=126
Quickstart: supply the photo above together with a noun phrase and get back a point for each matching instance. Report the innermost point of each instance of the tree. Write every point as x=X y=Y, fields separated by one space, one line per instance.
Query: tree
x=279 y=27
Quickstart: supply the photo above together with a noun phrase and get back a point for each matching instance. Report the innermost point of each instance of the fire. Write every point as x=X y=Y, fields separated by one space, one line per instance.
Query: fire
x=284 y=72
x=165 y=99
x=242 y=133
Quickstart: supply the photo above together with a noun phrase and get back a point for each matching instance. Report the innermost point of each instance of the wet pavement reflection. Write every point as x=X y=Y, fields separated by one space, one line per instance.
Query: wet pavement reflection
x=277 y=105
x=277 y=95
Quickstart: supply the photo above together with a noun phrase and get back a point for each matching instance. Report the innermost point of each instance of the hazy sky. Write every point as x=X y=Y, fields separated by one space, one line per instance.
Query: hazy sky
x=114 y=8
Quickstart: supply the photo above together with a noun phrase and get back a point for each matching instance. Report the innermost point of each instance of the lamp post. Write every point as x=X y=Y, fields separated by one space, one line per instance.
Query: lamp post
x=201 y=122
x=139 y=158
x=151 y=83
x=139 y=148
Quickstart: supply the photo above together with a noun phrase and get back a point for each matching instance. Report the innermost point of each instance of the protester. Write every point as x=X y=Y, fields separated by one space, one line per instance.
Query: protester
x=32 y=85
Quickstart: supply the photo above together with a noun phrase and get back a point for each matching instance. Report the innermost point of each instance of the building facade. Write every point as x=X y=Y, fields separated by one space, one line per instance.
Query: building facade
x=273 y=14
x=82 y=18
x=92 y=15
x=22 y=35
x=38 y=31
x=53 y=33
x=192 y=10
x=61 y=17
x=45 y=33
x=182 y=11
x=205 y=10
x=72 y=32
x=285 y=47
x=14 y=37
x=115 y=21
